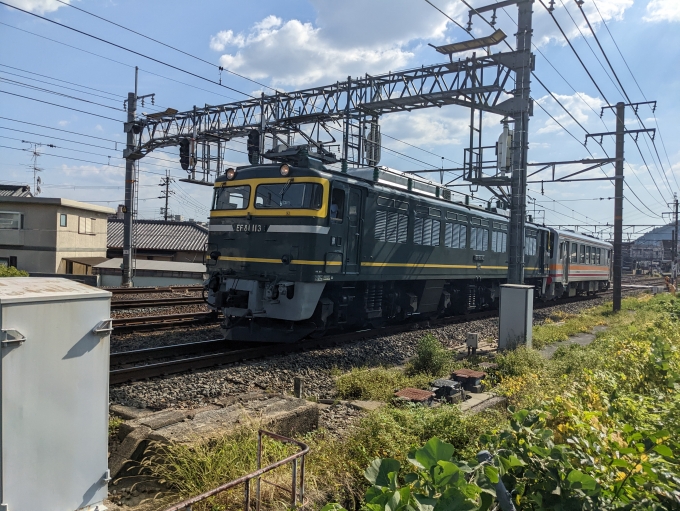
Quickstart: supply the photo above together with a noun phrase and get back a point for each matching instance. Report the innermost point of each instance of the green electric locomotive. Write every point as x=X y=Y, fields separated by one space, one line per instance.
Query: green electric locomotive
x=296 y=249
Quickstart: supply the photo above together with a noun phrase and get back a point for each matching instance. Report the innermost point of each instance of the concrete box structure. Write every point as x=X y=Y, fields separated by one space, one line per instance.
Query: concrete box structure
x=516 y=316
x=47 y=235
x=54 y=382
x=151 y=273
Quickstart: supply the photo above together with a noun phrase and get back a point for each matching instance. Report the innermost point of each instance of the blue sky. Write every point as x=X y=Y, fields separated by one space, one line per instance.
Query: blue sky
x=299 y=44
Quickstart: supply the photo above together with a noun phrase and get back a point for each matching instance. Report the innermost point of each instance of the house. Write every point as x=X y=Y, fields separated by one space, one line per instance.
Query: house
x=160 y=240
x=656 y=245
x=51 y=235
x=15 y=191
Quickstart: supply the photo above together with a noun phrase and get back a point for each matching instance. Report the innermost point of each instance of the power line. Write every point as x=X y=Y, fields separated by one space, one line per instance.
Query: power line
x=34 y=87
x=117 y=61
x=221 y=68
x=61 y=106
x=58 y=80
x=158 y=61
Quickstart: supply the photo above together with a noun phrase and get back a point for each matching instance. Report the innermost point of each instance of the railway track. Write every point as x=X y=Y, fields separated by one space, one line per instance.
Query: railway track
x=161 y=361
x=155 y=302
x=162 y=322
x=149 y=290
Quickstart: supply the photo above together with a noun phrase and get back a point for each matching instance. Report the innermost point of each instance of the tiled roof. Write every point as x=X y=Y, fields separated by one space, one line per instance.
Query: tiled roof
x=160 y=235
x=15 y=191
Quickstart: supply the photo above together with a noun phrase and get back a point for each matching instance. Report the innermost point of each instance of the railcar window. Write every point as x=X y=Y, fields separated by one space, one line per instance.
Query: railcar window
x=232 y=197
x=337 y=205
x=479 y=238
x=391 y=226
x=498 y=241
x=289 y=195
x=574 y=253
x=582 y=259
x=561 y=251
x=598 y=258
x=426 y=232
x=455 y=236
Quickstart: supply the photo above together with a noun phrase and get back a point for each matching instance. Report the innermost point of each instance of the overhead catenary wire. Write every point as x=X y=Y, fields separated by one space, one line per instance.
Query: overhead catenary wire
x=61 y=106
x=221 y=68
x=158 y=61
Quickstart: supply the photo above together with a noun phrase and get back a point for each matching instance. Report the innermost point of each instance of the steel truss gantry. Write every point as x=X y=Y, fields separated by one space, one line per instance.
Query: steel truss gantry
x=475 y=82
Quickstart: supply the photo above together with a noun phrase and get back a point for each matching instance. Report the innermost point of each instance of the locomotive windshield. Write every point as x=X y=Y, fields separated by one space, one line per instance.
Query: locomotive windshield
x=289 y=195
x=232 y=197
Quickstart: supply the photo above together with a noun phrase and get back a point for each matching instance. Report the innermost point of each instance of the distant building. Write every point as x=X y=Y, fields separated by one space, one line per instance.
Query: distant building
x=15 y=191
x=656 y=245
x=160 y=240
x=51 y=235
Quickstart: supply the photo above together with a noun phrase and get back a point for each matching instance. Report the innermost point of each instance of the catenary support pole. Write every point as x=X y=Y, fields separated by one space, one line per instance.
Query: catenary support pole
x=618 y=203
x=675 y=238
x=520 y=146
x=129 y=189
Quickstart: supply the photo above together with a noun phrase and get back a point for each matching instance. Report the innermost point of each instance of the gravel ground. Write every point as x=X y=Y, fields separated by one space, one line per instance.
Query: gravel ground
x=181 y=335
x=338 y=419
x=276 y=374
x=159 y=311
x=153 y=296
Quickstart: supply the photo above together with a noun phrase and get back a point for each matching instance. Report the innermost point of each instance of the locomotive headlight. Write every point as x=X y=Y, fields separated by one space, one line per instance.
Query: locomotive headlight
x=284 y=169
x=231 y=173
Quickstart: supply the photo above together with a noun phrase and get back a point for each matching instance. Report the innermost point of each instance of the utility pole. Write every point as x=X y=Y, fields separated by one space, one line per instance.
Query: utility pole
x=520 y=147
x=675 y=231
x=618 y=203
x=130 y=158
x=167 y=192
x=620 y=134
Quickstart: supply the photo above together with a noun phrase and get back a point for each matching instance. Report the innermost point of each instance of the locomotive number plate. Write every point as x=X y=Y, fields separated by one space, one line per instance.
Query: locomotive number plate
x=248 y=228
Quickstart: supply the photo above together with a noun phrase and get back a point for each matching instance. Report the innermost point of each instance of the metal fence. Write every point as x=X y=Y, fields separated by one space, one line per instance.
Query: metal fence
x=297 y=489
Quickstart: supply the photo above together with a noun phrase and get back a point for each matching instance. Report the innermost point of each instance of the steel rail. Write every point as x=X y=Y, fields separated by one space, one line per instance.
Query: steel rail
x=138 y=323
x=147 y=290
x=156 y=302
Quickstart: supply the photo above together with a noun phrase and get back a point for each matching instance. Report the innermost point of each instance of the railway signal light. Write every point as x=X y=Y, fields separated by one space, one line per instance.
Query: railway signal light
x=254 y=147
x=184 y=156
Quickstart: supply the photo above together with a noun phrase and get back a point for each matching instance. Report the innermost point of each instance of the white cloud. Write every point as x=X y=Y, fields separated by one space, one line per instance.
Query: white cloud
x=98 y=127
x=37 y=6
x=663 y=10
x=582 y=106
x=338 y=44
x=62 y=123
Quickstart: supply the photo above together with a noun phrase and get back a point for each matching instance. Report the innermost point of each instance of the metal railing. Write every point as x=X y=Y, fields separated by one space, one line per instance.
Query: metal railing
x=296 y=490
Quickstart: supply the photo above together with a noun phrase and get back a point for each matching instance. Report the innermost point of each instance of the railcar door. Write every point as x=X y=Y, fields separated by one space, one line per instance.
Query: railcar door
x=354 y=223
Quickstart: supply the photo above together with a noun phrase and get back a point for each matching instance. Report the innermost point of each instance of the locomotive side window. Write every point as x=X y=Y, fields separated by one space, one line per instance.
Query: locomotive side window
x=455 y=236
x=479 y=238
x=498 y=241
x=391 y=226
x=337 y=205
x=232 y=197
x=530 y=243
x=574 y=253
x=426 y=232
x=289 y=195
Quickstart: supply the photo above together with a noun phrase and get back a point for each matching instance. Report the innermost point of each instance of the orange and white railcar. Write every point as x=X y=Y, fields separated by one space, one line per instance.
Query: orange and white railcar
x=579 y=264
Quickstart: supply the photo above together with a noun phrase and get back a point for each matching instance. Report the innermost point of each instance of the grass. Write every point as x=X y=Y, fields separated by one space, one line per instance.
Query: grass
x=114 y=425
x=377 y=384
x=11 y=271
x=614 y=374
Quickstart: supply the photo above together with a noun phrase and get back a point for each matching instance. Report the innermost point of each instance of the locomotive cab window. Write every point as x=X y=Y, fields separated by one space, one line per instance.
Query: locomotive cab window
x=337 y=208
x=289 y=195
x=232 y=197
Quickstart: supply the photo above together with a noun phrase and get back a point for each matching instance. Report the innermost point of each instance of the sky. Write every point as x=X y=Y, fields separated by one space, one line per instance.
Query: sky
x=62 y=92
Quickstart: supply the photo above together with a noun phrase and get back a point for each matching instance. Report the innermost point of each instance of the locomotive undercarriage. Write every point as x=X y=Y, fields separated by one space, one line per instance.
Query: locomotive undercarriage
x=283 y=311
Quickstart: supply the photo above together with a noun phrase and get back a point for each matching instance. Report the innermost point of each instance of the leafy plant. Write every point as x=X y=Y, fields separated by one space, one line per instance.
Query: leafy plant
x=431 y=358
x=11 y=271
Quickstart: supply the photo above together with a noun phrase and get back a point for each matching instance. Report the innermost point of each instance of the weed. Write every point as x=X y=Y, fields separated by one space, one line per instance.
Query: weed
x=114 y=425
x=431 y=358
x=377 y=384
x=11 y=271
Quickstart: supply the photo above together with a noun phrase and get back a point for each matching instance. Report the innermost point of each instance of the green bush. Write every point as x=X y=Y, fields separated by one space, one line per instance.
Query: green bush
x=11 y=271
x=431 y=358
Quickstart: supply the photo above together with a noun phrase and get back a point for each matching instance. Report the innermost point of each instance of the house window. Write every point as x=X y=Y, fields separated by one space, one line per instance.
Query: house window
x=11 y=220
x=62 y=220
x=86 y=225
x=4 y=261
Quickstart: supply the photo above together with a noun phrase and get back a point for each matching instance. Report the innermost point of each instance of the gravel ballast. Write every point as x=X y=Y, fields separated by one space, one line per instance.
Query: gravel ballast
x=198 y=388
